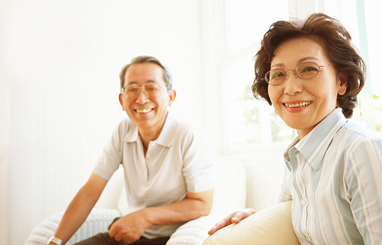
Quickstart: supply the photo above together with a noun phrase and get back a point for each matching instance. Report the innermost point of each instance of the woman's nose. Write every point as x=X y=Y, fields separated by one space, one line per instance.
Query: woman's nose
x=292 y=83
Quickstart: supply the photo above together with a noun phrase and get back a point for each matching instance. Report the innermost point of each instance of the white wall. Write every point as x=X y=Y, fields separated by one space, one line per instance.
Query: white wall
x=5 y=126
x=59 y=67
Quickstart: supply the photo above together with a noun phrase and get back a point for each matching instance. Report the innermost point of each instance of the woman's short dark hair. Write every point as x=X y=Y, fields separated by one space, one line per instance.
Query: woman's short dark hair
x=143 y=59
x=333 y=38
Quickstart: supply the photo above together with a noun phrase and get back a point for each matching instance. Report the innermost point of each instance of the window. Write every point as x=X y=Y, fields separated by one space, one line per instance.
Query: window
x=234 y=38
x=247 y=121
x=371 y=99
x=360 y=17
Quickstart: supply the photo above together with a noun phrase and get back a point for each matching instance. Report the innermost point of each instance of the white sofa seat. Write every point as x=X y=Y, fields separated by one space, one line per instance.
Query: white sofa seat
x=230 y=195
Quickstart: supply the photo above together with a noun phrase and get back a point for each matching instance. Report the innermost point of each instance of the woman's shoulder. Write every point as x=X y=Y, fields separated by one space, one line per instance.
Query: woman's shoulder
x=356 y=131
x=356 y=137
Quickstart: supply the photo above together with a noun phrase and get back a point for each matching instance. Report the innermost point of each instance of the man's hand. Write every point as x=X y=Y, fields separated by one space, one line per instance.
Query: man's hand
x=130 y=228
x=233 y=218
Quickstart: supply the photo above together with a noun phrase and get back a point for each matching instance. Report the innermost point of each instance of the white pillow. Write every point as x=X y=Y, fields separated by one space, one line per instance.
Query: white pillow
x=272 y=225
x=231 y=190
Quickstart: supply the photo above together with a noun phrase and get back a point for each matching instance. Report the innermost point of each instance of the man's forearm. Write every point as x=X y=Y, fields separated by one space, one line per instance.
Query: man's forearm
x=80 y=207
x=179 y=212
x=130 y=227
x=74 y=216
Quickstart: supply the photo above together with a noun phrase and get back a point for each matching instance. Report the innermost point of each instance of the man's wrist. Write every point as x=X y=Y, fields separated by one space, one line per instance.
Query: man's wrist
x=55 y=240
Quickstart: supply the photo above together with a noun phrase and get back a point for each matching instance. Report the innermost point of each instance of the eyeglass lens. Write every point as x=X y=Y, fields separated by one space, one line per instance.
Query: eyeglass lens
x=304 y=70
x=150 y=90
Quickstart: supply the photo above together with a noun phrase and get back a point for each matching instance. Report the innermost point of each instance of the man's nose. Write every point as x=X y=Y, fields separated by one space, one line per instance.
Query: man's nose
x=142 y=96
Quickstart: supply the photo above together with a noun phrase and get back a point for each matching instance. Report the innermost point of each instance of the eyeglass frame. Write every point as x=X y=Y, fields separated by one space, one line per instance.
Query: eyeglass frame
x=295 y=72
x=144 y=91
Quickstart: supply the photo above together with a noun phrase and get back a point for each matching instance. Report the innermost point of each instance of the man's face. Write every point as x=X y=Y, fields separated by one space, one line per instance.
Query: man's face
x=149 y=114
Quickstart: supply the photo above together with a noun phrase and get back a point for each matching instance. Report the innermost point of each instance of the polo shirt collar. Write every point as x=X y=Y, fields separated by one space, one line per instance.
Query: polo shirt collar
x=165 y=138
x=132 y=133
x=314 y=145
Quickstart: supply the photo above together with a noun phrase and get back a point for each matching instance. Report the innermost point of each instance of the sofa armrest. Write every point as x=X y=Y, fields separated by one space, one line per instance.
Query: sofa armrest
x=272 y=225
x=97 y=221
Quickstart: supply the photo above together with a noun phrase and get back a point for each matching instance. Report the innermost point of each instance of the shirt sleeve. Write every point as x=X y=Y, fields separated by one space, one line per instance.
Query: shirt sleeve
x=285 y=194
x=363 y=175
x=199 y=160
x=111 y=156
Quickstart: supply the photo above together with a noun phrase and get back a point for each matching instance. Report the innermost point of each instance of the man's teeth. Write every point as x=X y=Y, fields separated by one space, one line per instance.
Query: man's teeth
x=144 y=110
x=301 y=104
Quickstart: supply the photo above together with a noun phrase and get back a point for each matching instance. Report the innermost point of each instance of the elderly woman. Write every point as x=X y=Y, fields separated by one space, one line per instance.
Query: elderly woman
x=311 y=74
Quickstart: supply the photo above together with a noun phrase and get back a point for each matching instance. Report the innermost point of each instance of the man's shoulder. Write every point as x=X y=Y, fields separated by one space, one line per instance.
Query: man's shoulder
x=182 y=131
x=185 y=125
x=125 y=126
x=125 y=122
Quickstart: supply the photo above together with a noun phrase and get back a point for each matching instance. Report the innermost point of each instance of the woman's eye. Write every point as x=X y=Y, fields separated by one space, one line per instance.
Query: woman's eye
x=309 y=69
x=277 y=75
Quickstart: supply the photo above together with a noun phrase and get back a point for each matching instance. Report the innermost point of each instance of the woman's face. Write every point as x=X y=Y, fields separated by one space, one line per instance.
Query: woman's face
x=303 y=103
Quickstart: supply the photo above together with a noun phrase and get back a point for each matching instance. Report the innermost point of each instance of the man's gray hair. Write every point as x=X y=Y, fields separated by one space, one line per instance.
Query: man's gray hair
x=143 y=59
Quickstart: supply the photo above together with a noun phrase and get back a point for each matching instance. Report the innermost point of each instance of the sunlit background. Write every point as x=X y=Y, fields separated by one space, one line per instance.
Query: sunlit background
x=59 y=66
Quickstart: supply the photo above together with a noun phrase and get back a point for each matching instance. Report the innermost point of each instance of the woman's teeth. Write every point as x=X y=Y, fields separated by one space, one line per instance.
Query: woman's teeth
x=144 y=110
x=301 y=104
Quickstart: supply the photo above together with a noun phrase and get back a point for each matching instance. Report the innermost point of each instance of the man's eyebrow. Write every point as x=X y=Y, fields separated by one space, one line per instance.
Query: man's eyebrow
x=135 y=82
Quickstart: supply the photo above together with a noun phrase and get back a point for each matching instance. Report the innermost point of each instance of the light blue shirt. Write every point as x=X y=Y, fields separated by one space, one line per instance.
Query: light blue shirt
x=334 y=176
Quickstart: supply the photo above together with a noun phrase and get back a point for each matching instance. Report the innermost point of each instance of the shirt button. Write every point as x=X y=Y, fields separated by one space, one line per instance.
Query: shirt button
x=303 y=202
x=148 y=156
x=308 y=238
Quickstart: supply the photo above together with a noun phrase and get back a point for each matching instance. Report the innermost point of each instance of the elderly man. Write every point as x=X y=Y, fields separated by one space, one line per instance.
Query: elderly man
x=168 y=164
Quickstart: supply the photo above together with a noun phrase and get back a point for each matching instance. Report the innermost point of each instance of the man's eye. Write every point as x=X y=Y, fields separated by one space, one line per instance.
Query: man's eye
x=132 y=90
x=150 y=88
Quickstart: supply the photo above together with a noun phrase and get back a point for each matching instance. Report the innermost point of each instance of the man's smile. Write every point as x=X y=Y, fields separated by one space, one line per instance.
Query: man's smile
x=144 y=110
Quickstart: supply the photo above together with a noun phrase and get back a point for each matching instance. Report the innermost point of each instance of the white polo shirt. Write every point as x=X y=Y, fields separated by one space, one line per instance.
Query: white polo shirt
x=181 y=159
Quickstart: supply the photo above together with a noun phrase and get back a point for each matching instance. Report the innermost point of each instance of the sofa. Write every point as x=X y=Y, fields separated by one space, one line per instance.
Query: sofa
x=230 y=195
x=269 y=226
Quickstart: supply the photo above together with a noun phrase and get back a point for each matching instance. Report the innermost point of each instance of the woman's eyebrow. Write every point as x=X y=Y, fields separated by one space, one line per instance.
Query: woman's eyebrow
x=299 y=61
x=307 y=58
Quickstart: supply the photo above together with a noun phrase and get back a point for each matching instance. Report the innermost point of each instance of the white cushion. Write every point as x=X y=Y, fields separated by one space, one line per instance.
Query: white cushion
x=272 y=225
x=231 y=190
x=230 y=194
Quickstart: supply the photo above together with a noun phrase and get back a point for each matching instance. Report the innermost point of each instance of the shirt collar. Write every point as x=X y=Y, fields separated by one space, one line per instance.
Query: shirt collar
x=314 y=145
x=165 y=138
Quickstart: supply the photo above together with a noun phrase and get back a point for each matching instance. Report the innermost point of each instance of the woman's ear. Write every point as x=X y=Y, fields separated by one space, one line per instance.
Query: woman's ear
x=342 y=84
